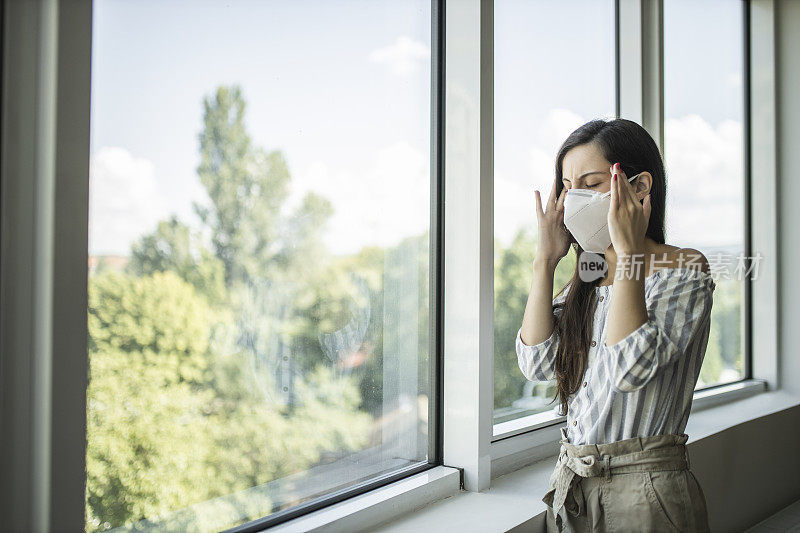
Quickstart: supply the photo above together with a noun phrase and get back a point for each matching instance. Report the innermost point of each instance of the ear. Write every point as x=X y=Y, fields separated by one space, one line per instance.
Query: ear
x=642 y=185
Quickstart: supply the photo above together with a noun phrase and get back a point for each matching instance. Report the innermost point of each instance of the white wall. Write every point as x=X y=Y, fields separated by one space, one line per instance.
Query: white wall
x=788 y=118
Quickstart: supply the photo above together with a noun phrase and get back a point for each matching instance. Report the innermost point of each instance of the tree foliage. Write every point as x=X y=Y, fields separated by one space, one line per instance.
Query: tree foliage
x=174 y=247
x=186 y=348
x=166 y=429
x=513 y=276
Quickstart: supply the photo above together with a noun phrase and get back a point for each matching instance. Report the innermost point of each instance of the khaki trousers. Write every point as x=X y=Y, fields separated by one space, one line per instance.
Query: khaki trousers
x=638 y=484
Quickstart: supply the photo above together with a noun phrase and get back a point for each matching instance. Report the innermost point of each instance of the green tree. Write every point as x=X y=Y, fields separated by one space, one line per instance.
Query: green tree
x=724 y=350
x=186 y=347
x=712 y=361
x=219 y=350
x=726 y=317
x=513 y=276
x=173 y=247
x=147 y=353
x=275 y=258
x=248 y=187
x=174 y=416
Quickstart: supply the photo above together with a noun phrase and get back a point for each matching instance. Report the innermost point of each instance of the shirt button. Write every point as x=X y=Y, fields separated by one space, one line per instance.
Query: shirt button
x=584 y=383
x=602 y=298
x=594 y=343
x=575 y=423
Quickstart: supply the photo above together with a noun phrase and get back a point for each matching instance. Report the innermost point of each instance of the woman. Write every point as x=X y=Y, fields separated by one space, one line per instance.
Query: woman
x=625 y=345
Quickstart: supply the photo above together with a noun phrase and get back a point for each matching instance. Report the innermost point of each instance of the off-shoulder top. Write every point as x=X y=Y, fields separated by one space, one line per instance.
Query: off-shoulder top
x=642 y=385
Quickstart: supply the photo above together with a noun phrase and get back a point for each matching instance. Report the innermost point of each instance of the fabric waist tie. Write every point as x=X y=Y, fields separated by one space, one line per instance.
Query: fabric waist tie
x=639 y=454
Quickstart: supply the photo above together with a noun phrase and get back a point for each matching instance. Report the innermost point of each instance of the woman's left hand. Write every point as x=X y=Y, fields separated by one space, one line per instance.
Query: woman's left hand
x=627 y=218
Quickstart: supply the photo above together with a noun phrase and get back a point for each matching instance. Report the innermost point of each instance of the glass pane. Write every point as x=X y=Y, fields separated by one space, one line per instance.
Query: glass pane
x=704 y=153
x=554 y=70
x=259 y=229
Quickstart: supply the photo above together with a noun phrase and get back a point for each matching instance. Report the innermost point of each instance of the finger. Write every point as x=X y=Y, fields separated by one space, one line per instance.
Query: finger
x=632 y=189
x=625 y=190
x=614 y=192
x=614 y=184
x=647 y=208
x=561 y=197
x=629 y=191
x=539 y=212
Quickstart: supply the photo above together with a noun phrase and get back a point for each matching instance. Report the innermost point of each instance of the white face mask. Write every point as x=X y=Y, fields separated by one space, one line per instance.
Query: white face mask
x=586 y=217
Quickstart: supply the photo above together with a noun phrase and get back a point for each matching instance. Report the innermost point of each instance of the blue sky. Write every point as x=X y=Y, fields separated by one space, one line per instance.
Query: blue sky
x=342 y=89
x=312 y=87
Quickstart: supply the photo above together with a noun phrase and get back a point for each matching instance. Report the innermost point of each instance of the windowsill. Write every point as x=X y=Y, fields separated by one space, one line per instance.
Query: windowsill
x=518 y=426
x=436 y=501
x=380 y=505
x=515 y=498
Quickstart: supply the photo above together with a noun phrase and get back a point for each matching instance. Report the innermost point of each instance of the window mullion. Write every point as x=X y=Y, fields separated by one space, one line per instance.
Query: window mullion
x=764 y=197
x=641 y=65
x=468 y=272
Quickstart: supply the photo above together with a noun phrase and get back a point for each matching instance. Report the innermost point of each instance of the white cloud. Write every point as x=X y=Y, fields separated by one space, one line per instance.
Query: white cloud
x=705 y=202
x=124 y=201
x=403 y=57
x=378 y=204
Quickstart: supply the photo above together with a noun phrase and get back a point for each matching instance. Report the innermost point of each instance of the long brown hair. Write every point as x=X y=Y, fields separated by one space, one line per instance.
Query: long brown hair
x=629 y=144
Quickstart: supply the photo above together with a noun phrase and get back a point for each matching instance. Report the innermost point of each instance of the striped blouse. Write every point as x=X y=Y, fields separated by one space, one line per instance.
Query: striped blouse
x=642 y=385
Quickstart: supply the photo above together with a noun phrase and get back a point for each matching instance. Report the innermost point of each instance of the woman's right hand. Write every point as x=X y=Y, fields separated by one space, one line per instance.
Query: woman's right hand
x=553 y=241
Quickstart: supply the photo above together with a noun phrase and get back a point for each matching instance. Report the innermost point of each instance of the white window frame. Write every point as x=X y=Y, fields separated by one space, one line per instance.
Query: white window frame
x=45 y=148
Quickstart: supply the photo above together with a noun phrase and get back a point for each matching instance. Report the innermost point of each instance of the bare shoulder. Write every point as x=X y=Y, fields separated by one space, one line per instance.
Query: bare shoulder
x=684 y=257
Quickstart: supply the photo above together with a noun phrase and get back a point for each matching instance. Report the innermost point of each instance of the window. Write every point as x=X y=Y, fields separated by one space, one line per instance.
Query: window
x=259 y=254
x=266 y=313
x=547 y=83
x=705 y=153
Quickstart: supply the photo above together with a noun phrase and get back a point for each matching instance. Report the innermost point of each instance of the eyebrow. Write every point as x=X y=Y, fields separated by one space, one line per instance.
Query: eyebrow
x=587 y=174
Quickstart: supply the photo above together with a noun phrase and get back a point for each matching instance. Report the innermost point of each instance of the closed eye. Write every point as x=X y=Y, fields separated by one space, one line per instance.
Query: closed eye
x=566 y=184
